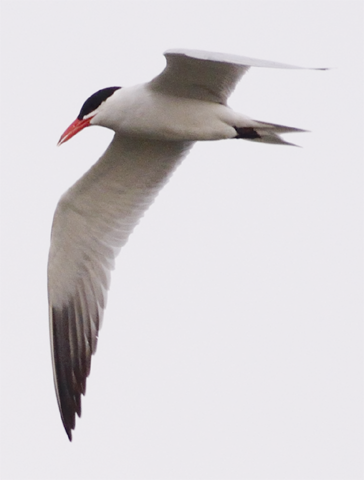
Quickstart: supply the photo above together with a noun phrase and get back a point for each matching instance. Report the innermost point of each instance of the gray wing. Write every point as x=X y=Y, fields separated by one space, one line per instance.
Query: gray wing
x=92 y=221
x=205 y=76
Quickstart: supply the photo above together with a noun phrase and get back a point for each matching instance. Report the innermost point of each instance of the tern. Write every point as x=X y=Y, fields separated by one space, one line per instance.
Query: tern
x=155 y=125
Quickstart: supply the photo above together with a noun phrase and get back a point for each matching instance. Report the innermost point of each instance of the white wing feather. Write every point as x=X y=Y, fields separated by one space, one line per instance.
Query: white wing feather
x=208 y=76
x=93 y=219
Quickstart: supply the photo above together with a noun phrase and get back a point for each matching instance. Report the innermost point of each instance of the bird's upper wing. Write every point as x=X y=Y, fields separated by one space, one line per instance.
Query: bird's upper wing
x=92 y=221
x=203 y=75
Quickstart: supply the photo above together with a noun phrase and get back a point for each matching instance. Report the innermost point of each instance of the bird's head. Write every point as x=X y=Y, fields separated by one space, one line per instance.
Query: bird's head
x=88 y=112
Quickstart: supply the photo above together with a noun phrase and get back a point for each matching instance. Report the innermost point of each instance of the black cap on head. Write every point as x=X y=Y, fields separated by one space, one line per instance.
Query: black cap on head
x=95 y=101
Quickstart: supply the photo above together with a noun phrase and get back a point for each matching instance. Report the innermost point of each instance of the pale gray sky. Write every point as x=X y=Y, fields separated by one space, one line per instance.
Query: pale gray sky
x=232 y=341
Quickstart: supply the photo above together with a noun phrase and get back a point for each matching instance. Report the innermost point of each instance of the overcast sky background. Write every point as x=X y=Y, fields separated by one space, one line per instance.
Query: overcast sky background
x=232 y=342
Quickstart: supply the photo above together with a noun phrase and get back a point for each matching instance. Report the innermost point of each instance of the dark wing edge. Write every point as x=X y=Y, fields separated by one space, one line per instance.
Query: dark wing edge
x=74 y=334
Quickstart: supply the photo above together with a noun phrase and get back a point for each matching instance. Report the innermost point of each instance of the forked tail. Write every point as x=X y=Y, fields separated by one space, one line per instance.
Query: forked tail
x=266 y=133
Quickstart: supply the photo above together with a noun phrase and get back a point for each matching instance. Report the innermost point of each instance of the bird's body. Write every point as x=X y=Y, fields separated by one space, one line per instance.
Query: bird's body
x=155 y=125
x=154 y=115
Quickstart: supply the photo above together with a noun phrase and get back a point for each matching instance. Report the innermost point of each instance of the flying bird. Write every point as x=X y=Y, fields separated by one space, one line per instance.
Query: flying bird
x=155 y=125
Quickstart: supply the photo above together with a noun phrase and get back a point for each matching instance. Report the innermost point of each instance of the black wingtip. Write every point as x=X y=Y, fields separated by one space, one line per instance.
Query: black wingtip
x=69 y=433
x=67 y=390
